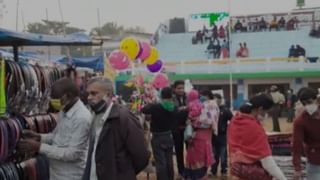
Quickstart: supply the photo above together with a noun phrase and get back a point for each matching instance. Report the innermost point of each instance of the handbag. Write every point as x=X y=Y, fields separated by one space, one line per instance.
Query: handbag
x=188 y=132
x=253 y=171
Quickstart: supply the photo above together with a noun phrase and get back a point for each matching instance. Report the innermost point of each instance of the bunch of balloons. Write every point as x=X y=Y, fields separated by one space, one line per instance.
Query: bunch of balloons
x=132 y=49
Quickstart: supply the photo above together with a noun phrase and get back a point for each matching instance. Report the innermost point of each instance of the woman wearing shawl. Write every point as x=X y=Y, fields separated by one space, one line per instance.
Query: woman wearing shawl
x=203 y=117
x=250 y=153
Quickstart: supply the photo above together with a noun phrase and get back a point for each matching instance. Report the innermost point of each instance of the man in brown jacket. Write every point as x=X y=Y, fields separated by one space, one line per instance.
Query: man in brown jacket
x=117 y=150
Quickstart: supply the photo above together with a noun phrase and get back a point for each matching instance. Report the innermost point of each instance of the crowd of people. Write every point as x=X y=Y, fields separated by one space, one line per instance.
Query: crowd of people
x=218 y=50
x=256 y=24
x=103 y=139
x=218 y=46
x=205 y=34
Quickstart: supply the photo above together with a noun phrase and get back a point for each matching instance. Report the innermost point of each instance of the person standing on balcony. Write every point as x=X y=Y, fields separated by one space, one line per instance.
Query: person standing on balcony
x=274 y=24
x=216 y=49
x=256 y=25
x=222 y=33
x=207 y=35
x=282 y=23
x=215 y=32
x=278 y=100
x=199 y=37
x=224 y=50
x=238 y=26
x=244 y=26
x=263 y=24
x=210 y=48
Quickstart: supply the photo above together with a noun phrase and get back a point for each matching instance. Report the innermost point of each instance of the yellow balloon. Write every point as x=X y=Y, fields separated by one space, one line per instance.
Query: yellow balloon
x=154 y=56
x=131 y=47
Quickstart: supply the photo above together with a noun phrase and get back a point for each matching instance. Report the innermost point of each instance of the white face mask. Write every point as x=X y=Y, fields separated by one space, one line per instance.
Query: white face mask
x=311 y=108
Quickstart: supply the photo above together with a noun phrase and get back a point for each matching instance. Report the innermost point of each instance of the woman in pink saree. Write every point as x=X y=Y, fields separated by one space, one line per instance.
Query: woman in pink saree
x=204 y=123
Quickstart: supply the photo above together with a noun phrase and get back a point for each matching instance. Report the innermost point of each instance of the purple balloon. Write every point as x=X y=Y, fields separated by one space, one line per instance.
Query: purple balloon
x=156 y=67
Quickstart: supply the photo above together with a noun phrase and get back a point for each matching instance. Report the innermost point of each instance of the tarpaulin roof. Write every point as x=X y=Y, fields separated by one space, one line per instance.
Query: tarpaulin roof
x=94 y=62
x=12 y=38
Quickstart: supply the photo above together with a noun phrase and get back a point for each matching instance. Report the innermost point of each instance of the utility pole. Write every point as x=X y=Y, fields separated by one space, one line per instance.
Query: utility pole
x=17 y=14
x=64 y=31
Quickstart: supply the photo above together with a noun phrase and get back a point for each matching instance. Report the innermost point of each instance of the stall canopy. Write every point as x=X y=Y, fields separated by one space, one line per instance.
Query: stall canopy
x=12 y=38
x=16 y=39
x=93 y=62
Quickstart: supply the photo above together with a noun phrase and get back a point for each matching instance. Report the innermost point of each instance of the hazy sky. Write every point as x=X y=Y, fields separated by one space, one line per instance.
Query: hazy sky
x=145 y=13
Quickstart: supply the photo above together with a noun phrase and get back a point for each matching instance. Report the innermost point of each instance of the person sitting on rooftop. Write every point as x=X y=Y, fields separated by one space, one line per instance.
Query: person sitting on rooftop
x=222 y=33
x=238 y=26
x=263 y=24
x=282 y=23
x=274 y=24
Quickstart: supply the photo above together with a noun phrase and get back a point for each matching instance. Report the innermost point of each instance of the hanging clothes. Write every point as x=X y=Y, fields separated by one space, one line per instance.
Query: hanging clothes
x=2 y=88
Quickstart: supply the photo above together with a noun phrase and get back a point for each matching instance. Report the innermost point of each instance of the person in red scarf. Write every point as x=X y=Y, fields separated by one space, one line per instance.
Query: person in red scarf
x=250 y=153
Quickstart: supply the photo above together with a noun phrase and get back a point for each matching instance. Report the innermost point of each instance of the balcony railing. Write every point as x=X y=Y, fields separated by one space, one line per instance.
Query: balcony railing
x=238 y=66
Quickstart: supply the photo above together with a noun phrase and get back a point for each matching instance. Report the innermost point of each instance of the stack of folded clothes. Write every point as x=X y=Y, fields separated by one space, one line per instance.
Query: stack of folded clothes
x=285 y=164
x=280 y=143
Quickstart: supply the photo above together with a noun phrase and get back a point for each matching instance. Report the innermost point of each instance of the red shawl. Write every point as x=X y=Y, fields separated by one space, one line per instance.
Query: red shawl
x=247 y=140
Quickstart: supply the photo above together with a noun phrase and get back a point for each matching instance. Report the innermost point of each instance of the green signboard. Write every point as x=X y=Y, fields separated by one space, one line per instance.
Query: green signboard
x=212 y=17
x=300 y=3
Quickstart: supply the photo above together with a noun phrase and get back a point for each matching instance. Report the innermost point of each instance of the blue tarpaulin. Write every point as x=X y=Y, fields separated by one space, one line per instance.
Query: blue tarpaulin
x=94 y=62
x=12 y=38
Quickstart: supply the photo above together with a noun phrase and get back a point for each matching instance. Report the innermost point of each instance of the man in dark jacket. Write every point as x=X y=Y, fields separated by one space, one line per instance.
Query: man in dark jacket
x=162 y=119
x=301 y=51
x=219 y=142
x=179 y=127
x=117 y=150
x=292 y=52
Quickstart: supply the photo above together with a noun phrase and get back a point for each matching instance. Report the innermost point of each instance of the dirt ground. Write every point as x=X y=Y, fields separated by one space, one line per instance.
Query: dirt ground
x=285 y=127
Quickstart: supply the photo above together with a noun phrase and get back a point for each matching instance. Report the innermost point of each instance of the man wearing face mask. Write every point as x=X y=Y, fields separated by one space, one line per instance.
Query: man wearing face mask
x=180 y=124
x=66 y=147
x=306 y=134
x=117 y=150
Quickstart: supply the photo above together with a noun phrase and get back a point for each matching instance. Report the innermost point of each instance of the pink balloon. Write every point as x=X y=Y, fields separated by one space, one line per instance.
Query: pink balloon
x=119 y=60
x=146 y=50
x=160 y=81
